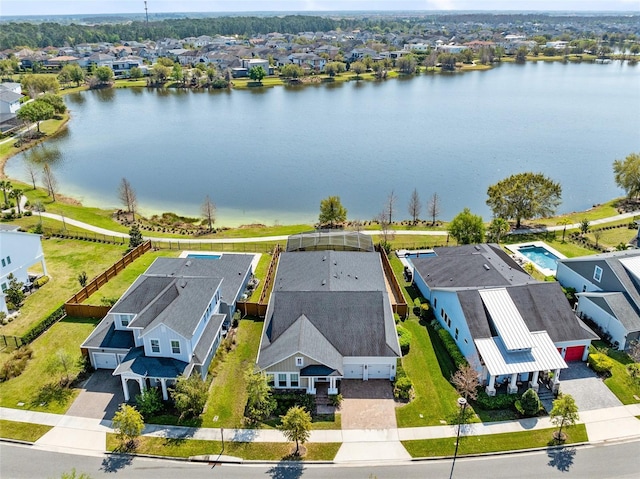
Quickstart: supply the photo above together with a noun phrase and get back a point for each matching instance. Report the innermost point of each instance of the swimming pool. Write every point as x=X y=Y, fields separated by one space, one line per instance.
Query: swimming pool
x=204 y=256
x=539 y=255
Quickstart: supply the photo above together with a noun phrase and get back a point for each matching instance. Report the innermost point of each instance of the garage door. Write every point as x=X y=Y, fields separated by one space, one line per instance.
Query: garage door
x=104 y=360
x=574 y=353
x=379 y=371
x=353 y=371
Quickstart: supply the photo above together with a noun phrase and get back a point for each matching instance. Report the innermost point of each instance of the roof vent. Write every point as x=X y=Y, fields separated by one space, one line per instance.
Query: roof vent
x=335 y=263
x=486 y=266
x=324 y=281
x=477 y=247
x=356 y=277
x=188 y=263
x=183 y=283
x=324 y=258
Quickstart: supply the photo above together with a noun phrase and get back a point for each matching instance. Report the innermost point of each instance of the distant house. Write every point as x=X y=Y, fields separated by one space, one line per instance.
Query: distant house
x=608 y=292
x=10 y=96
x=307 y=60
x=61 y=60
x=122 y=66
x=329 y=318
x=18 y=252
x=170 y=321
x=509 y=326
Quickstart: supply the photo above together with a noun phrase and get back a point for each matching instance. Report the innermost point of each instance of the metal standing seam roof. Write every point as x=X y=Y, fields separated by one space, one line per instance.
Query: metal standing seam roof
x=543 y=356
x=506 y=318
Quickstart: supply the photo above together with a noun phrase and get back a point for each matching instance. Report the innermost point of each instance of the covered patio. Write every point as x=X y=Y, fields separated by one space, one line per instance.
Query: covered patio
x=319 y=373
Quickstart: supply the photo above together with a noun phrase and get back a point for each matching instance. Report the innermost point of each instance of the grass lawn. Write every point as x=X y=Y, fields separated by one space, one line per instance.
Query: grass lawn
x=261 y=273
x=492 y=443
x=228 y=396
x=65 y=259
x=604 y=210
x=66 y=335
x=273 y=451
x=620 y=382
x=23 y=431
x=119 y=284
x=613 y=237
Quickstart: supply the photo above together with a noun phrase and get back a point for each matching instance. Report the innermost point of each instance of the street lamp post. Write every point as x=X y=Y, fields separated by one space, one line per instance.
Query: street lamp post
x=462 y=403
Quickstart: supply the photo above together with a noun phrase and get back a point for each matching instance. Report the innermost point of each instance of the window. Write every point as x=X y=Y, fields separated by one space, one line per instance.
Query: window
x=442 y=312
x=597 y=273
x=8 y=259
x=295 y=380
x=282 y=380
x=4 y=263
x=299 y=361
x=456 y=333
x=124 y=320
x=155 y=346
x=271 y=380
x=4 y=286
x=435 y=302
x=175 y=347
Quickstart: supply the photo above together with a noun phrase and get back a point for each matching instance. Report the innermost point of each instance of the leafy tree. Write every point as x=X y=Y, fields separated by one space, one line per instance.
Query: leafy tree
x=447 y=62
x=415 y=206
x=467 y=228
x=176 y=72
x=296 y=426
x=17 y=195
x=332 y=211
x=498 y=228
x=524 y=196
x=521 y=54
x=128 y=198
x=334 y=68
x=35 y=112
x=34 y=84
x=257 y=73
x=584 y=226
x=190 y=395
x=50 y=181
x=72 y=72
x=160 y=73
x=104 y=75
x=627 y=174
x=149 y=402
x=14 y=293
x=466 y=382
x=407 y=64
x=209 y=212
x=135 y=237
x=291 y=70
x=128 y=425
x=63 y=362
x=564 y=413
x=165 y=62
x=6 y=187
x=55 y=101
x=135 y=73
x=358 y=68
x=82 y=278
x=529 y=404
x=564 y=222
x=260 y=401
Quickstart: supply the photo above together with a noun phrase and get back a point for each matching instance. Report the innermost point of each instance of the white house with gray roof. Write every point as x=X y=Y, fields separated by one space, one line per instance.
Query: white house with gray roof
x=508 y=325
x=170 y=321
x=329 y=317
x=608 y=292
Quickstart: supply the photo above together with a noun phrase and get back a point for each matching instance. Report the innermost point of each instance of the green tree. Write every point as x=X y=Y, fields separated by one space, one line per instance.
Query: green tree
x=407 y=64
x=260 y=401
x=176 y=73
x=55 y=101
x=190 y=395
x=62 y=362
x=334 y=68
x=104 y=75
x=584 y=226
x=82 y=278
x=257 y=73
x=498 y=228
x=72 y=72
x=165 y=62
x=34 y=84
x=524 y=196
x=447 y=62
x=358 y=68
x=467 y=228
x=291 y=70
x=136 y=73
x=6 y=187
x=627 y=174
x=135 y=237
x=128 y=425
x=332 y=211
x=149 y=402
x=14 y=293
x=160 y=73
x=529 y=404
x=564 y=413
x=35 y=112
x=296 y=426
x=17 y=195
x=521 y=54
x=564 y=222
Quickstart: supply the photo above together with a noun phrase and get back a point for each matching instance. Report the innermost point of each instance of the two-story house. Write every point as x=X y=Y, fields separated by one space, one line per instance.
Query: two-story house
x=170 y=321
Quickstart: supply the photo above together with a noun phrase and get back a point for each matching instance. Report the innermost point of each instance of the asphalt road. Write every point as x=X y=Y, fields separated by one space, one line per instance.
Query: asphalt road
x=619 y=460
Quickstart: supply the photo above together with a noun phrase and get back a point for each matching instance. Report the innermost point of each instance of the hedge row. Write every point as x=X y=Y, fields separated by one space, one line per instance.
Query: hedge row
x=404 y=338
x=452 y=348
x=39 y=328
x=501 y=401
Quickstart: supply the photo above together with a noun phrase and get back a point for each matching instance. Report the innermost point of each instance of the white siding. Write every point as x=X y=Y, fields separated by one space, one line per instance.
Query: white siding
x=165 y=335
x=448 y=303
x=607 y=322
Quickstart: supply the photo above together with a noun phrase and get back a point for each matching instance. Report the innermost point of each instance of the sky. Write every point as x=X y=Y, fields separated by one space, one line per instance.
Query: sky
x=62 y=7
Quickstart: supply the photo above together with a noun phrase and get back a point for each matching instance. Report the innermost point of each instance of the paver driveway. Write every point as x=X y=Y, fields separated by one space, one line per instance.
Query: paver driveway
x=367 y=404
x=588 y=390
x=100 y=398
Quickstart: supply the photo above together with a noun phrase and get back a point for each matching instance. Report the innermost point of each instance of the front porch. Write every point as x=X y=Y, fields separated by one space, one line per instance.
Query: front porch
x=317 y=374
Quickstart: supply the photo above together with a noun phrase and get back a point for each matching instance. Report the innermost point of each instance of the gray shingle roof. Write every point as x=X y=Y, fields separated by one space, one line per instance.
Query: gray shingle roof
x=136 y=362
x=9 y=96
x=618 y=305
x=203 y=347
x=106 y=336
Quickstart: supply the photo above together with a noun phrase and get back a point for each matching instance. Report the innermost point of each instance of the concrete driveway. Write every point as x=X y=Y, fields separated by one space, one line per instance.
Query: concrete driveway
x=367 y=404
x=100 y=397
x=586 y=388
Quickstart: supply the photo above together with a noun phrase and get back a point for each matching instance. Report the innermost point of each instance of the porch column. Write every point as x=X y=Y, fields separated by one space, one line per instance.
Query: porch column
x=555 y=384
x=44 y=267
x=585 y=355
x=513 y=384
x=142 y=384
x=125 y=388
x=311 y=389
x=332 y=386
x=163 y=384
x=533 y=384
x=491 y=387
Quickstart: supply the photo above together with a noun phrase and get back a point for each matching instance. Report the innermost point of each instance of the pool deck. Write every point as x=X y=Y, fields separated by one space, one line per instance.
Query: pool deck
x=402 y=255
x=522 y=259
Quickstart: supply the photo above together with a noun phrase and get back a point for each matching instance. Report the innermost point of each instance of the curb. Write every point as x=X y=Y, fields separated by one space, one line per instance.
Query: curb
x=16 y=441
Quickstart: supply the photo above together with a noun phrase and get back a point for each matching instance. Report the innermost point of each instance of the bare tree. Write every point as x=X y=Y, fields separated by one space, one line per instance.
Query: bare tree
x=390 y=206
x=386 y=233
x=128 y=197
x=415 y=206
x=30 y=169
x=434 y=208
x=597 y=234
x=50 y=182
x=357 y=225
x=466 y=382
x=209 y=212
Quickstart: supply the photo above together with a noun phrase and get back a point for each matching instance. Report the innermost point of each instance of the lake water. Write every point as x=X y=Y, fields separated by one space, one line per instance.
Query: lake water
x=270 y=155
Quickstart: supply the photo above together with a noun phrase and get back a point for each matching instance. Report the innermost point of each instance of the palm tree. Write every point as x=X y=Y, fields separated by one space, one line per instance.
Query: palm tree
x=17 y=194
x=5 y=186
x=564 y=222
x=498 y=228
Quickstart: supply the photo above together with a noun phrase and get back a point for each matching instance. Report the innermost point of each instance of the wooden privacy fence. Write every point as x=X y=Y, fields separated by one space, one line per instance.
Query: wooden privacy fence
x=74 y=306
x=259 y=309
x=400 y=306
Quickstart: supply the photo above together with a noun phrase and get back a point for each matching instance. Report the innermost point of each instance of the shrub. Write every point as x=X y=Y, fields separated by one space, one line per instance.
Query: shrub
x=452 y=348
x=503 y=401
x=529 y=404
x=287 y=400
x=600 y=363
x=41 y=281
x=634 y=371
x=190 y=395
x=149 y=402
x=335 y=400
x=16 y=363
x=404 y=338
x=403 y=389
x=40 y=327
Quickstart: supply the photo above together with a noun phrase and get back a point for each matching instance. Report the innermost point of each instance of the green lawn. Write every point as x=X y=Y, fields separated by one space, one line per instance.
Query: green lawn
x=620 y=382
x=260 y=273
x=65 y=259
x=66 y=335
x=227 y=396
x=22 y=431
x=613 y=237
x=273 y=451
x=604 y=210
x=492 y=443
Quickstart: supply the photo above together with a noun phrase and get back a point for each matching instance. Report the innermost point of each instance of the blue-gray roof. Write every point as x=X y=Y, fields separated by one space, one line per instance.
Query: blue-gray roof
x=150 y=367
x=106 y=336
